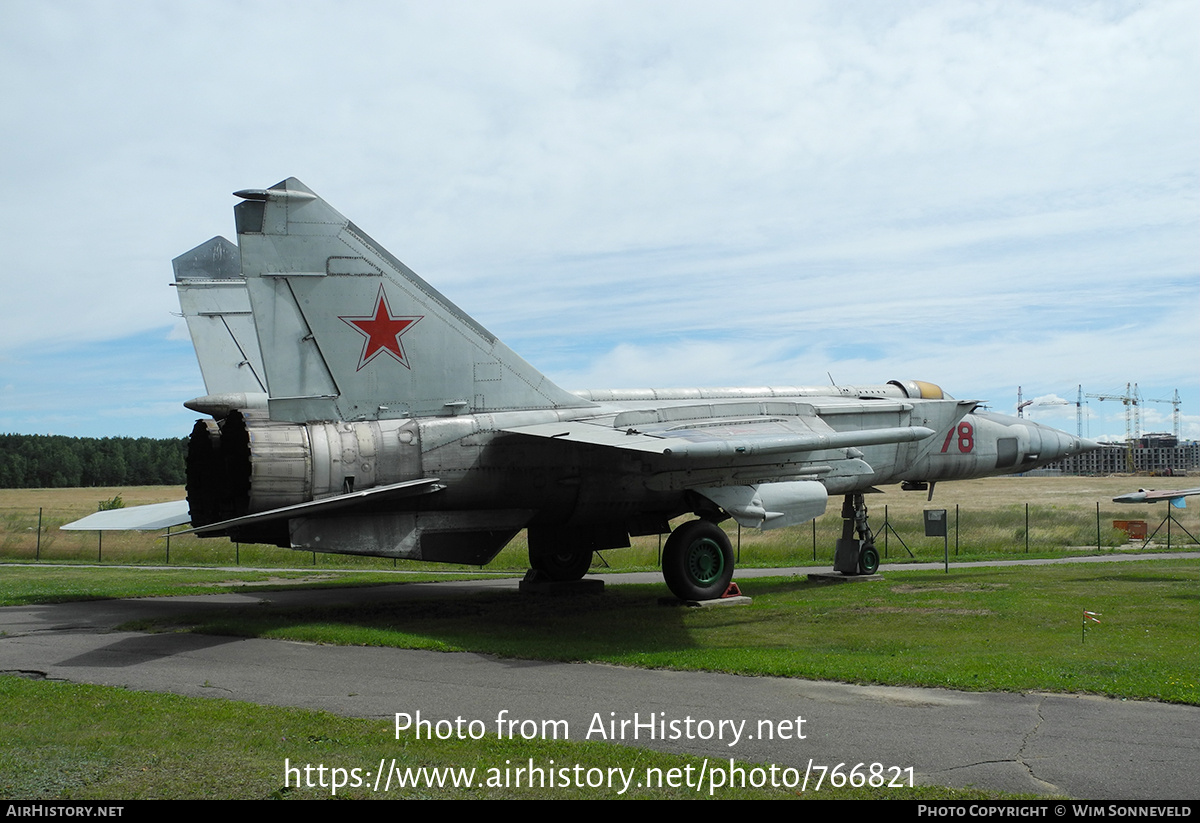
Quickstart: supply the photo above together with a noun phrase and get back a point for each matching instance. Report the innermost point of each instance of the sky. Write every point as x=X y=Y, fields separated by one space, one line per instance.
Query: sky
x=984 y=195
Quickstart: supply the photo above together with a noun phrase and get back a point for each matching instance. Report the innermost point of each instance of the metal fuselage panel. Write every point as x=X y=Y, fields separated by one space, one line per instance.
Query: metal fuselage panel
x=985 y=444
x=493 y=482
x=577 y=484
x=562 y=482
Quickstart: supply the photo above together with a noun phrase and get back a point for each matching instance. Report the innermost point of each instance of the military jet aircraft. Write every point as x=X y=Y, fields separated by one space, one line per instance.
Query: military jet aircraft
x=396 y=425
x=1177 y=497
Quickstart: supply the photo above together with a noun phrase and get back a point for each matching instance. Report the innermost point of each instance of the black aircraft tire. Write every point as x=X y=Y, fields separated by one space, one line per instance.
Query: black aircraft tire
x=562 y=566
x=698 y=561
x=868 y=560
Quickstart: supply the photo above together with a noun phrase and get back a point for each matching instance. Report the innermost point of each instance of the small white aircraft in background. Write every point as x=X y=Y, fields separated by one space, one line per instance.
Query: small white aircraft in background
x=1176 y=496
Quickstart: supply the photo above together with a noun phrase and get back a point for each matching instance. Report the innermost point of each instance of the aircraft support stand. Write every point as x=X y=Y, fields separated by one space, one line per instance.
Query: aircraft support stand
x=1167 y=521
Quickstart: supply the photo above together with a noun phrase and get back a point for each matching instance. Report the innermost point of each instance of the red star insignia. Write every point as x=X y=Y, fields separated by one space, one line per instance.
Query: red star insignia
x=382 y=331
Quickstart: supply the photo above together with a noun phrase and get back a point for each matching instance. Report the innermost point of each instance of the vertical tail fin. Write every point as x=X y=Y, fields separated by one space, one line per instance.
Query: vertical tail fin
x=212 y=295
x=348 y=332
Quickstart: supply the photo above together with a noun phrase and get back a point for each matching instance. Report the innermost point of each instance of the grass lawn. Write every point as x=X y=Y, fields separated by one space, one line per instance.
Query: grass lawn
x=21 y=584
x=1010 y=628
x=63 y=741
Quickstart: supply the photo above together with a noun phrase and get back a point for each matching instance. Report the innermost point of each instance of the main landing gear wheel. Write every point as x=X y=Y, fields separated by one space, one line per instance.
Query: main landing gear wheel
x=562 y=566
x=868 y=560
x=698 y=561
x=552 y=555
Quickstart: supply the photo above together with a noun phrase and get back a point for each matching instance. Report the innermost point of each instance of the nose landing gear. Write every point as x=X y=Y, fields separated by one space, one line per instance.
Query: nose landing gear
x=856 y=553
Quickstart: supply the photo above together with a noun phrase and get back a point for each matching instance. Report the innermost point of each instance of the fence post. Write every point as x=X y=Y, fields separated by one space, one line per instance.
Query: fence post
x=1026 y=528
x=1097 y=525
x=37 y=554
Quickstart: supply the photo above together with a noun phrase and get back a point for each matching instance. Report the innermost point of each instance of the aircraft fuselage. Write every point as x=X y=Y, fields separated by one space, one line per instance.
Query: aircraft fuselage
x=493 y=481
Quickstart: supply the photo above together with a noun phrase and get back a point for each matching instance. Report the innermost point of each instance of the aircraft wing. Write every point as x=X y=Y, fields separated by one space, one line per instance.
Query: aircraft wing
x=175 y=513
x=758 y=440
x=135 y=518
x=405 y=488
x=1175 y=496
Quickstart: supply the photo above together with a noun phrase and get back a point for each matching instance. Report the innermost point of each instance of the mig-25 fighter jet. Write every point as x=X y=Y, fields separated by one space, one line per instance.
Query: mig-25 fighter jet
x=370 y=415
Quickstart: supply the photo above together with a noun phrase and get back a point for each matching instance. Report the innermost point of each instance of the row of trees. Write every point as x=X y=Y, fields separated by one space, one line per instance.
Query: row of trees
x=52 y=461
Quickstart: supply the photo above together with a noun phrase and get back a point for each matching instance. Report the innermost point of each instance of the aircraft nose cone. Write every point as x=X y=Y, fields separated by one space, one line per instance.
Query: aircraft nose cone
x=1058 y=444
x=1069 y=444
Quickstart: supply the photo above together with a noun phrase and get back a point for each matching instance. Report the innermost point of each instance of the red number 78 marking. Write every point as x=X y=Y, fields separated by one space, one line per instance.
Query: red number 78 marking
x=966 y=438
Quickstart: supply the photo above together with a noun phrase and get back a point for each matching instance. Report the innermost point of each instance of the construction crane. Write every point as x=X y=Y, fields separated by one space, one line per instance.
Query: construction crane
x=1133 y=418
x=1175 y=416
x=1079 y=410
x=1022 y=404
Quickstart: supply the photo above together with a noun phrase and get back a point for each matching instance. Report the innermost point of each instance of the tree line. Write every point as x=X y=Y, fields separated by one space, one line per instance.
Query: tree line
x=53 y=461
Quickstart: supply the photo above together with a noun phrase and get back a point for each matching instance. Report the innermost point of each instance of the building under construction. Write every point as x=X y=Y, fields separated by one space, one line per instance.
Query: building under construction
x=1155 y=454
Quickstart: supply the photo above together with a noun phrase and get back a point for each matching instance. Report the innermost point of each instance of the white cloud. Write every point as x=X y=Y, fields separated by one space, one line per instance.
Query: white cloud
x=988 y=195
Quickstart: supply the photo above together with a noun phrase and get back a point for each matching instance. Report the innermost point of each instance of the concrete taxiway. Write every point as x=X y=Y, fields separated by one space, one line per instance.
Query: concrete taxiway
x=1083 y=747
